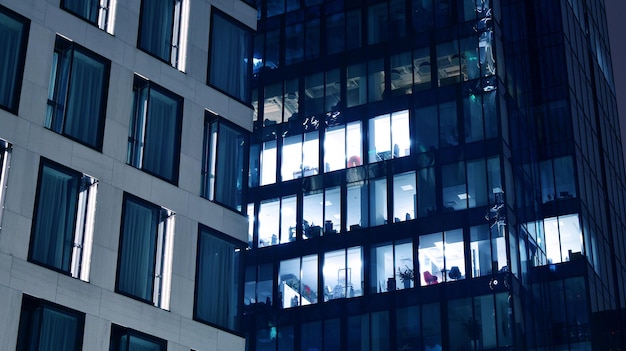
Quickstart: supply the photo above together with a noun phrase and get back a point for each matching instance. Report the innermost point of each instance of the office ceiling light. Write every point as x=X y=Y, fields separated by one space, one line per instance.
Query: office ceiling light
x=463 y=196
x=407 y=187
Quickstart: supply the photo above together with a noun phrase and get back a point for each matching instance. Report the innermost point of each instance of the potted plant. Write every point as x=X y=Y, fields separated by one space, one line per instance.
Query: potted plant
x=406 y=276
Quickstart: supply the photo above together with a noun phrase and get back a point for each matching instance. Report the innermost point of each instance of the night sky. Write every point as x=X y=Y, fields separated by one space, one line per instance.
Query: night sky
x=616 y=17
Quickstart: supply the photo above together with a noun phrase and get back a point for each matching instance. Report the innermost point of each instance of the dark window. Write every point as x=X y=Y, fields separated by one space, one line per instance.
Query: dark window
x=124 y=339
x=217 y=265
x=145 y=252
x=154 y=135
x=223 y=162
x=96 y=12
x=161 y=30
x=45 y=326
x=77 y=93
x=63 y=220
x=13 y=36
x=230 y=56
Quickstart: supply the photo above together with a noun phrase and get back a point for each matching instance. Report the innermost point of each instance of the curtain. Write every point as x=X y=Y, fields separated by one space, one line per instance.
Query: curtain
x=11 y=32
x=139 y=344
x=229 y=167
x=84 y=8
x=161 y=144
x=55 y=219
x=58 y=331
x=137 y=251
x=155 y=33
x=230 y=57
x=85 y=95
x=216 y=299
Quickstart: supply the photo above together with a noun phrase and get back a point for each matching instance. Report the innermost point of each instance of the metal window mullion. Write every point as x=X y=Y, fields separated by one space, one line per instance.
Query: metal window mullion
x=67 y=87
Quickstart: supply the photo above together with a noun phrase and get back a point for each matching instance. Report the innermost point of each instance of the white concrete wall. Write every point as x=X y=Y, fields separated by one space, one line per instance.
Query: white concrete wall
x=31 y=141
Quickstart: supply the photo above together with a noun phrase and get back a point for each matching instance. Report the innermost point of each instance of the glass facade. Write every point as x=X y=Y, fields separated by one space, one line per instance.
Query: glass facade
x=409 y=187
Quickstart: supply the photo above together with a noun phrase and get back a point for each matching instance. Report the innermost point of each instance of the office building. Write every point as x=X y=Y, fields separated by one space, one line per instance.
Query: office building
x=434 y=175
x=118 y=231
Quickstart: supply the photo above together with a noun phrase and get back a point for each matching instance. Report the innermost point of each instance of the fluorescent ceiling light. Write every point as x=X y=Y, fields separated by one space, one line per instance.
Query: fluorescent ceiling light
x=407 y=187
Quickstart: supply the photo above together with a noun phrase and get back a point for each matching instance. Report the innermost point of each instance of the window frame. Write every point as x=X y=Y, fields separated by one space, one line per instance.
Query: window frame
x=211 y=154
x=118 y=331
x=162 y=254
x=20 y=59
x=61 y=46
x=106 y=14
x=249 y=36
x=178 y=43
x=136 y=148
x=5 y=160
x=31 y=305
x=83 y=218
x=238 y=275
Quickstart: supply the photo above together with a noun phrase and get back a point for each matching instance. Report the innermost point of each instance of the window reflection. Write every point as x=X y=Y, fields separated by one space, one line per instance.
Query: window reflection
x=563 y=238
x=441 y=257
x=343 y=278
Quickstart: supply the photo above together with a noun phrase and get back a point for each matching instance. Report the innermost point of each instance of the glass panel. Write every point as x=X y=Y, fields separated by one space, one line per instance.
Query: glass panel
x=422 y=68
x=265 y=284
x=312 y=38
x=55 y=216
x=547 y=181
x=427 y=132
x=400 y=135
x=498 y=247
x=354 y=29
x=294 y=39
x=378 y=201
x=430 y=254
x=403 y=260
x=266 y=339
x=473 y=118
x=229 y=167
x=484 y=323
x=310 y=154
x=332 y=334
x=356 y=85
x=380 y=139
x=335 y=33
x=269 y=222
x=422 y=11
x=462 y=324
x=454 y=187
x=288 y=219
x=469 y=56
x=408 y=330
x=401 y=74
x=379 y=331
x=375 y=80
x=160 y=153
x=397 y=19
x=354 y=144
x=314 y=94
x=308 y=287
x=155 y=29
x=358 y=332
x=382 y=269
x=377 y=24
x=290 y=101
x=357 y=206
x=268 y=162
x=336 y=275
x=431 y=321
x=426 y=191
x=272 y=107
x=87 y=9
x=496 y=194
x=218 y=265
x=564 y=178
x=291 y=157
x=335 y=148
x=332 y=211
x=571 y=237
x=333 y=91
x=355 y=270
x=137 y=250
x=289 y=283
x=404 y=197
x=311 y=336
x=476 y=183
x=448 y=62
x=313 y=207
x=285 y=338
x=480 y=250
x=448 y=130
x=230 y=62
x=249 y=289
x=454 y=255
x=553 y=249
